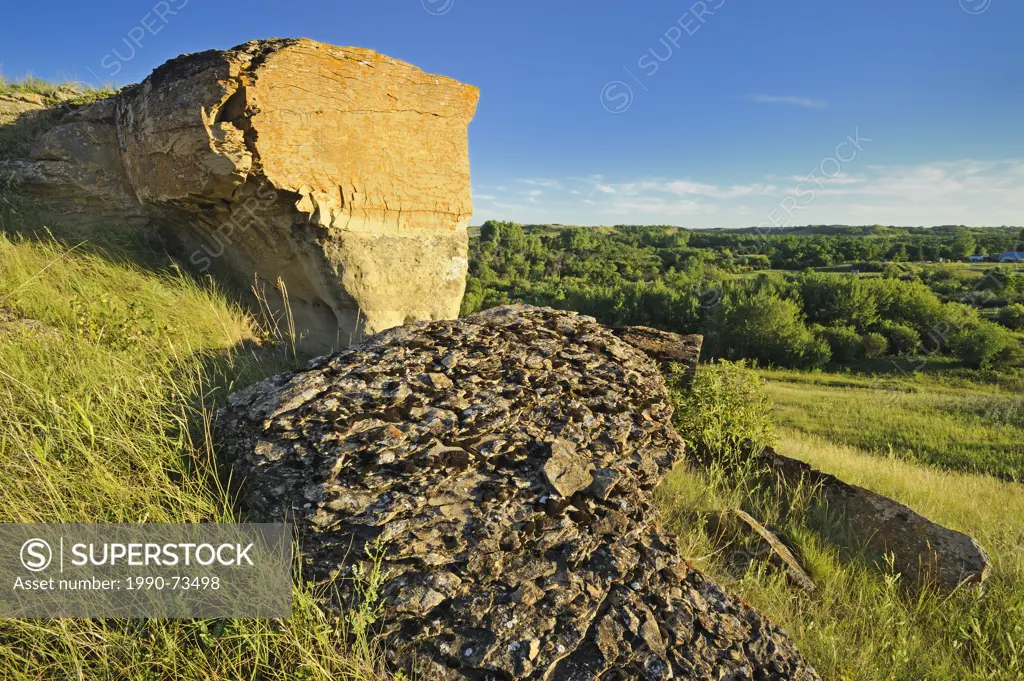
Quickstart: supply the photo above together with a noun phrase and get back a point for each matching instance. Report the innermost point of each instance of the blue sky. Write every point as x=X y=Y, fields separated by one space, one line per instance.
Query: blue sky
x=723 y=113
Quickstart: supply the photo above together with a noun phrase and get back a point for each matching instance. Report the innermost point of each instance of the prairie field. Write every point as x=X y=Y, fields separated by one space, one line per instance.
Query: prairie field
x=112 y=362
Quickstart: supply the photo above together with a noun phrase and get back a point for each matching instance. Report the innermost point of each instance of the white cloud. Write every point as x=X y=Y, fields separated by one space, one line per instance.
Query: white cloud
x=806 y=102
x=951 y=192
x=656 y=206
x=685 y=188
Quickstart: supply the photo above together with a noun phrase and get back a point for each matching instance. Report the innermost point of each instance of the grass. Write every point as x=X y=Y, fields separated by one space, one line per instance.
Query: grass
x=109 y=371
x=861 y=624
x=108 y=375
x=939 y=419
x=72 y=92
x=20 y=128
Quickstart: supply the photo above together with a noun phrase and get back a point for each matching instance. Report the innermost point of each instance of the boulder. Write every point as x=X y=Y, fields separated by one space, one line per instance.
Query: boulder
x=665 y=347
x=924 y=552
x=338 y=171
x=500 y=471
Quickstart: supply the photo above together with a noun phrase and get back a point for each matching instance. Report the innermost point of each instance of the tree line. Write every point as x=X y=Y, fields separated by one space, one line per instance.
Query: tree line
x=690 y=282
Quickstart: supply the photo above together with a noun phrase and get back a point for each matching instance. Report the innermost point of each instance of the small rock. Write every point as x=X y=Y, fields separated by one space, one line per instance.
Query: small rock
x=566 y=471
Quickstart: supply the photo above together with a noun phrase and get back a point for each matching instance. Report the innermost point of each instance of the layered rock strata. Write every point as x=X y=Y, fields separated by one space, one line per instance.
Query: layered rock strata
x=339 y=172
x=499 y=470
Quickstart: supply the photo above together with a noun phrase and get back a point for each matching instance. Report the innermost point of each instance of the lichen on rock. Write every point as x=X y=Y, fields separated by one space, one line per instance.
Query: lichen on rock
x=501 y=468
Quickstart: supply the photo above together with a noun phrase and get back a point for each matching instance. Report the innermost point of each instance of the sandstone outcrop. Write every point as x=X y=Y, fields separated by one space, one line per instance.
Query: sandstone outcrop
x=340 y=171
x=924 y=552
x=501 y=470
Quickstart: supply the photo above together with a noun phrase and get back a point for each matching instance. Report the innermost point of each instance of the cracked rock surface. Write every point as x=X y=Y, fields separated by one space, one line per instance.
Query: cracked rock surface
x=502 y=467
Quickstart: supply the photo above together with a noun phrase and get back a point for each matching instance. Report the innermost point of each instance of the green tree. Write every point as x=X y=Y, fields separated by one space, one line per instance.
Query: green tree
x=831 y=299
x=1012 y=317
x=902 y=339
x=490 y=231
x=844 y=342
x=985 y=345
x=963 y=245
x=766 y=328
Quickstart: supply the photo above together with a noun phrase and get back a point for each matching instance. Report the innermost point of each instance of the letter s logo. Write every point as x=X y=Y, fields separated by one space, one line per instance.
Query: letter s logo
x=36 y=555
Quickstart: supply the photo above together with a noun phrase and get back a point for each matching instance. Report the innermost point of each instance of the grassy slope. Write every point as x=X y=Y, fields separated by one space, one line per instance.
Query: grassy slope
x=860 y=625
x=54 y=93
x=101 y=418
x=953 y=423
x=103 y=406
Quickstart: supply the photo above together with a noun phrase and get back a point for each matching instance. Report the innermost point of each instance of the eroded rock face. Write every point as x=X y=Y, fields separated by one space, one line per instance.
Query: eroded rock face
x=502 y=466
x=341 y=171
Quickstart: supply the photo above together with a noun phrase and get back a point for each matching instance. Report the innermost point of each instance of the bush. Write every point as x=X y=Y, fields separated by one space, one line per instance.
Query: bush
x=874 y=345
x=725 y=408
x=831 y=300
x=909 y=303
x=985 y=344
x=844 y=341
x=754 y=262
x=902 y=339
x=766 y=328
x=1012 y=317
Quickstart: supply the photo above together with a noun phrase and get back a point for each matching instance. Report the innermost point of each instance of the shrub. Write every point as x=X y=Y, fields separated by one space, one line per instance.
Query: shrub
x=831 y=300
x=874 y=345
x=902 y=339
x=985 y=344
x=766 y=328
x=725 y=408
x=844 y=341
x=1012 y=317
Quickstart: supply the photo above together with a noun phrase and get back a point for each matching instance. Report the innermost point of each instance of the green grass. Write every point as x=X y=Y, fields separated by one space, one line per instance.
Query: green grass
x=109 y=371
x=945 y=420
x=108 y=375
x=860 y=624
x=53 y=93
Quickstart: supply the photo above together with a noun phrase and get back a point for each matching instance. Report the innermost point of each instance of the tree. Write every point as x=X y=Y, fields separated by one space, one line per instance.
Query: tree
x=1012 y=317
x=874 y=345
x=831 y=300
x=985 y=345
x=490 y=231
x=844 y=342
x=963 y=245
x=902 y=339
x=766 y=328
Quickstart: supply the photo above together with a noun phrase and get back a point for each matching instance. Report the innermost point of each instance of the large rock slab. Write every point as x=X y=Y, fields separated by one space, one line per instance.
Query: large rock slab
x=501 y=468
x=339 y=171
x=666 y=348
x=924 y=552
